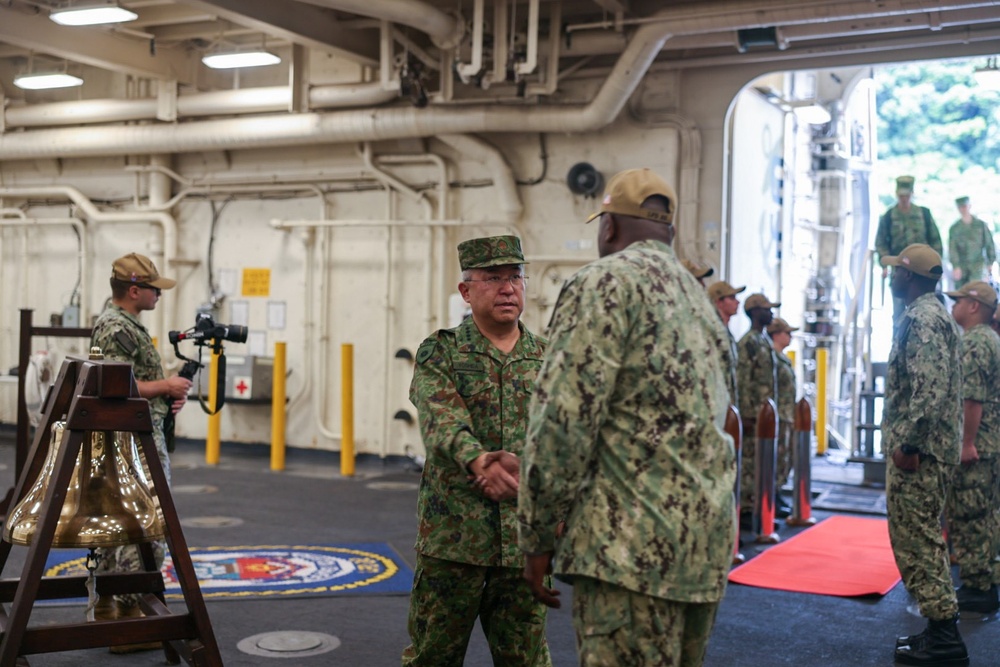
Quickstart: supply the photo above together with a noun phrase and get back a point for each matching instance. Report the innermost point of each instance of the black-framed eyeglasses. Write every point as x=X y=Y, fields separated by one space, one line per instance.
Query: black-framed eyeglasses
x=516 y=280
x=155 y=289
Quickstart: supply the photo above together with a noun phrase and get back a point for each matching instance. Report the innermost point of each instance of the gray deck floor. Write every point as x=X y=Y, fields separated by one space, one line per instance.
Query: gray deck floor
x=310 y=503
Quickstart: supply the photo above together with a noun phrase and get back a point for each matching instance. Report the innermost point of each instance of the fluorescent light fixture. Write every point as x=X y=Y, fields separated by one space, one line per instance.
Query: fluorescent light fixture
x=47 y=80
x=256 y=58
x=92 y=14
x=988 y=77
x=813 y=114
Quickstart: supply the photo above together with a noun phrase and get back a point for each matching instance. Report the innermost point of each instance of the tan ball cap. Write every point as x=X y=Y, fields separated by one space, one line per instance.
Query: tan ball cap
x=759 y=301
x=628 y=189
x=139 y=269
x=978 y=290
x=918 y=258
x=722 y=289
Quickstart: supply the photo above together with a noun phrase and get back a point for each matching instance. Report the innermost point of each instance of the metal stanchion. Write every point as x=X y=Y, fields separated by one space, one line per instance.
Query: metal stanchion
x=347 y=410
x=802 y=464
x=735 y=429
x=822 y=364
x=278 y=393
x=765 y=463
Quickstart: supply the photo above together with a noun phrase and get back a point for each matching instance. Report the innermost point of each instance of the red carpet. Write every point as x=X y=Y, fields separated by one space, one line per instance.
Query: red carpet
x=845 y=556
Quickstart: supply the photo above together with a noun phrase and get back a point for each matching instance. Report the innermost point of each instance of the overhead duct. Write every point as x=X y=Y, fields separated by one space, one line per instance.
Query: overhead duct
x=444 y=29
x=396 y=123
x=346 y=126
x=217 y=103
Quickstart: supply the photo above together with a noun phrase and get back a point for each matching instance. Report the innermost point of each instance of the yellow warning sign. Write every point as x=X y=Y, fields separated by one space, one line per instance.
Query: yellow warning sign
x=256 y=282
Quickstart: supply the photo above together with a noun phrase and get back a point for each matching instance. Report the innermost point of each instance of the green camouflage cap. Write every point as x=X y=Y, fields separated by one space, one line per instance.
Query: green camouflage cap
x=962 y=201
x=978 y=290
x=490 y=251
x=918 y=258
x=904 y=185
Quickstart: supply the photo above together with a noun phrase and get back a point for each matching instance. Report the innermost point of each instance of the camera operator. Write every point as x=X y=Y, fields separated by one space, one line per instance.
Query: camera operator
x=136 y=286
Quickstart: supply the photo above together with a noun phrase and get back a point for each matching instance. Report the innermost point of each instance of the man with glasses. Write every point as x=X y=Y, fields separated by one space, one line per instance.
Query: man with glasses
x=136 y=286
x=471 y=387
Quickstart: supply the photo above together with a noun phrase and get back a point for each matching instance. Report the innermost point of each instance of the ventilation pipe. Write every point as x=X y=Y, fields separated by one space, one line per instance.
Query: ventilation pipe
x=92 y=214
x=503 y=176
x=217 y=103
x=345 y=126
x=445 y=30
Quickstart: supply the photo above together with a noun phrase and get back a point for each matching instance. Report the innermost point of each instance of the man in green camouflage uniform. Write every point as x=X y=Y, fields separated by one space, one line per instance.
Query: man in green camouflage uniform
x=757 y=379
x=970 y=246
x=901 y=225
x=626 y=445
x=136 y=286
x=471 y=388
x=921 y=435
x=723 y=297
x=974 y=503
x=780 y=332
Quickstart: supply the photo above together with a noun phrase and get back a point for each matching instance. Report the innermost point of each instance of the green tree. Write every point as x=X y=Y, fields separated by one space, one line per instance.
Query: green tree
x=938 y=124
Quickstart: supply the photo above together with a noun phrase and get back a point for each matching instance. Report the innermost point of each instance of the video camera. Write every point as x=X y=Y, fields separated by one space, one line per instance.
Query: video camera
x=206 y=332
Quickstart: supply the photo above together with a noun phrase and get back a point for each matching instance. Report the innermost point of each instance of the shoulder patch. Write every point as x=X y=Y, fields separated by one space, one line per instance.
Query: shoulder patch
x=426 y=349
x=127 y=343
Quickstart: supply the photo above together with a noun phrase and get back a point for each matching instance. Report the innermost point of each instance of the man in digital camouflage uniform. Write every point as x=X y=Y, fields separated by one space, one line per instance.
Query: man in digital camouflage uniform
x=973 y=508
x=780 y=332
x=136 y=286
x=723 y=297
x=922 y=438
x=970 y=246
x=901 y=225
x=471 y=388
x=626 y=445
x=757 y=380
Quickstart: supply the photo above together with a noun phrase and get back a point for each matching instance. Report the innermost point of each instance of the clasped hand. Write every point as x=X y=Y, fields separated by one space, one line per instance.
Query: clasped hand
x=496 y=475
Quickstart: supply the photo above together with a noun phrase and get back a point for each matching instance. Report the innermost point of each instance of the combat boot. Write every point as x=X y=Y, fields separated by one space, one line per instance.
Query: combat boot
x=977 y=600
x=941 y=646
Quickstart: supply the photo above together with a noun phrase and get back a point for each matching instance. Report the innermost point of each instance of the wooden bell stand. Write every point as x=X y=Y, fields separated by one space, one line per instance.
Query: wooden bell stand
x=100 y=396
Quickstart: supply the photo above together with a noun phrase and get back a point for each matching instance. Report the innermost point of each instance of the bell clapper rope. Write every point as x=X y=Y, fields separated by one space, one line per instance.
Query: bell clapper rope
x=92 y=560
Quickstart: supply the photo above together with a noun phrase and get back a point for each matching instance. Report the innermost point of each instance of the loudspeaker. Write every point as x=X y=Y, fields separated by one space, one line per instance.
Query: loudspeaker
x=583 y=179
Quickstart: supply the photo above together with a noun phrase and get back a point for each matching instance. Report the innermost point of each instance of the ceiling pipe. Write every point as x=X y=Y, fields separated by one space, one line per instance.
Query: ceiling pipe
x=445 y=30
x=503 y=176
x=345 y=126
x=397 y=123
x=89 y=212
x=218 y=103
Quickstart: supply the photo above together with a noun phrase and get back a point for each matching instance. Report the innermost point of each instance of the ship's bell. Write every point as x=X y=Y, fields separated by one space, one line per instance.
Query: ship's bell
x=108 y=502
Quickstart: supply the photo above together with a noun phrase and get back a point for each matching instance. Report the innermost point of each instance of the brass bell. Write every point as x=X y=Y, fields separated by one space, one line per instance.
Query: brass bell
x=108 y=502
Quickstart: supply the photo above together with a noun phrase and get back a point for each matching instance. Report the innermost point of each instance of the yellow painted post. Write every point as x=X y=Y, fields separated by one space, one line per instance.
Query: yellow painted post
x=278 y=408
x=347 y=410
x=791 y=357
x=821 y=365
x=214 y=420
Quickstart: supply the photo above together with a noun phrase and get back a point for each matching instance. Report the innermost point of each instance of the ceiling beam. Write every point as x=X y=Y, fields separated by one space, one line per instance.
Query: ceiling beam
x=98 y=47
x=299 y=23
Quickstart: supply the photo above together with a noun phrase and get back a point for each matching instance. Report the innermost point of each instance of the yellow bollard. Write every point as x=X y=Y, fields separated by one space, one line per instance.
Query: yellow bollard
x=278 y=408
x=821 y=365
x=791 y=357
x=347 y=409
x=214 y=420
